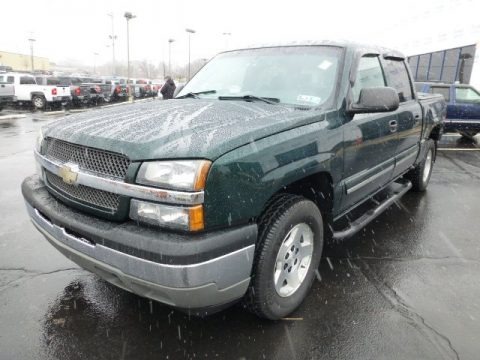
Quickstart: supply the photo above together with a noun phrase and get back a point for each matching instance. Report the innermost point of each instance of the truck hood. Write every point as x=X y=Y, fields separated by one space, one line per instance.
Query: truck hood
x=179 y=128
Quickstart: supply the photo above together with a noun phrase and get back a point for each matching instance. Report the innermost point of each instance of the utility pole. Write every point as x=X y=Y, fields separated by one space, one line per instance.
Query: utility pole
x=190 y=32
x=32 y=40
x=95 y=54
x=170 y=41
x=129 y=16
x=227 y=35
x=113 y=37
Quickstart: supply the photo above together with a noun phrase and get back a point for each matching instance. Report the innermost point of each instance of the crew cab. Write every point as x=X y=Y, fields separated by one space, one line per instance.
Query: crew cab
x=229 y=191
x=6 y=92
x=463 y=106
x=27 y=90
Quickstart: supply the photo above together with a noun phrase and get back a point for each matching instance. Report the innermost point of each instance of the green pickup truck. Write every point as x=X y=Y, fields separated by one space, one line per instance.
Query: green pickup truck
x=229 y=191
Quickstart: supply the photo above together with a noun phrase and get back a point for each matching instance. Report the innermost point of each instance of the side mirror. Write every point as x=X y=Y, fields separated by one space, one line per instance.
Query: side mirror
x=375 y=100
x=177 y=90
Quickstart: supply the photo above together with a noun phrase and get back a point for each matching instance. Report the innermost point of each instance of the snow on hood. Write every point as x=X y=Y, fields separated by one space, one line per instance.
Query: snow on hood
x=179 y=128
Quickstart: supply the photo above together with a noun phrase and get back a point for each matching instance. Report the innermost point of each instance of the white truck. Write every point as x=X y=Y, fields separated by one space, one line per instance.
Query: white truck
x=6 y=93
x=27 y=90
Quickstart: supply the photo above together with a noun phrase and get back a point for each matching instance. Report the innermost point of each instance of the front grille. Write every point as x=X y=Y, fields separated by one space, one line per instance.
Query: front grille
x=89 y=159
x=99 y=198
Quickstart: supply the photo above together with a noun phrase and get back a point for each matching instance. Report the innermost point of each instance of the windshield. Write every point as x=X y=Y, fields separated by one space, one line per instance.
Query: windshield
x=271 y=73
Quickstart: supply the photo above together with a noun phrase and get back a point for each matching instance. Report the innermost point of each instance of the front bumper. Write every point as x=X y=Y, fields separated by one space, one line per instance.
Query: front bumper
x=181 y=270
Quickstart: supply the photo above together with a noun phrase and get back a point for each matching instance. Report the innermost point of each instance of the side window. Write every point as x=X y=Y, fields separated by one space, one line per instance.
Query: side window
x=10 y=79
x=466 y=94
x=27 y=80
x=39 y=80
x=442 y=90
x=369 y=74
x=397 y=77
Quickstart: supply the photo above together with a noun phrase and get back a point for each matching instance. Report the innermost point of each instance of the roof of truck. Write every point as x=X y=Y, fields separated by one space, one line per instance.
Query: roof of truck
x=364 y=48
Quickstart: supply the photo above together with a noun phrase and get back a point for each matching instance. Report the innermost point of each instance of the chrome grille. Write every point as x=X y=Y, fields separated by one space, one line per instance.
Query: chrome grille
x=93 y=160
x=84 y=193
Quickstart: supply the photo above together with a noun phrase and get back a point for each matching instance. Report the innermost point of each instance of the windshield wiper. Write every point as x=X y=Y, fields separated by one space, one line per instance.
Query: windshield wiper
x=195 y=94
x=268 y=100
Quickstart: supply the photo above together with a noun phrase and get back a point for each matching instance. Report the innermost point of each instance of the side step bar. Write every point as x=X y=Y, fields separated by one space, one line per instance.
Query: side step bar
x=401 y=187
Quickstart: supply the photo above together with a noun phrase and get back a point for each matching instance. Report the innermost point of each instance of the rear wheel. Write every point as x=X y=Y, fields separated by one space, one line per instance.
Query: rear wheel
x=288 y=253
x=420 y=175
x=39 y=102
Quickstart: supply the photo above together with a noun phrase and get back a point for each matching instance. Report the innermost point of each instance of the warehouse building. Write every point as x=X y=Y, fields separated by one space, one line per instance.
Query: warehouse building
x=21 y=62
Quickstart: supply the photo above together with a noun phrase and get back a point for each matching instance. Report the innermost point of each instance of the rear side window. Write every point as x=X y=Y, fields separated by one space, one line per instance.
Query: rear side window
x=442 y=90
x=53 y=81
x=369 y=75
x=466 y=94
x=39 y=80
x=27 y=80
x=397 y=77
x=10 y=79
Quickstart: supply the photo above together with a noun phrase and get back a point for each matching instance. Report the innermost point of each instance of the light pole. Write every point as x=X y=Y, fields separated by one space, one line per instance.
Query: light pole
x=227 y=35
x=190 y=32
x=32 y=40
x=129 y=16
x=170 y=41
x=113 y=37
x=95 y=54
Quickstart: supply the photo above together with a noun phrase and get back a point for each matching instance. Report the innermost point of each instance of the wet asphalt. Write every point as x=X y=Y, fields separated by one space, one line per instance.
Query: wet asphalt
x=406 y=287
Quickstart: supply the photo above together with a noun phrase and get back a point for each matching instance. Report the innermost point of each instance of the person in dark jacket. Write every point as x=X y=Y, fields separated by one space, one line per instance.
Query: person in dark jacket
x=168 y=89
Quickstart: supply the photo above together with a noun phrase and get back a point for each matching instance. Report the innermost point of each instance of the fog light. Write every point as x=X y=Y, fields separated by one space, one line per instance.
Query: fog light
x=175 y=217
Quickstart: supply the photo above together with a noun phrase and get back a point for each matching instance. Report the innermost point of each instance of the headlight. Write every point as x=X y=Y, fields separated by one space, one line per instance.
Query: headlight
x=187 y=175
x=175 y=217
x=38 y=143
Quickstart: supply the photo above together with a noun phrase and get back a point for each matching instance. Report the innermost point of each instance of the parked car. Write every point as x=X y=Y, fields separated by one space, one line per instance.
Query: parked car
x=27 y=90
x=230 y=190
x=156 y=86
x=463 y=106
x=118 y=88
x=81 y=93
x=7 y=92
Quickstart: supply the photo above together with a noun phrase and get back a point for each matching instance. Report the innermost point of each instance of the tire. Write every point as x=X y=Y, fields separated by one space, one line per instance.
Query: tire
x=468 y=134
x=268 y=296
x=420 y=175
x=39 y=102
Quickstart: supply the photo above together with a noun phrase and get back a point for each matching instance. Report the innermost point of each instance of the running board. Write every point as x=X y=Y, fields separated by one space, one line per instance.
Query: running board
x=401 y=187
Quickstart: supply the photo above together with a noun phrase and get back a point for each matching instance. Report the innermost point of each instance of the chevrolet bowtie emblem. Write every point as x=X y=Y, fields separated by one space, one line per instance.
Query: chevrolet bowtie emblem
x=69 y=173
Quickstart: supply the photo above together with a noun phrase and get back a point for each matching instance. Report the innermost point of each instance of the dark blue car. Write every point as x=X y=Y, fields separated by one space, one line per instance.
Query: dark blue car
x=463 y=106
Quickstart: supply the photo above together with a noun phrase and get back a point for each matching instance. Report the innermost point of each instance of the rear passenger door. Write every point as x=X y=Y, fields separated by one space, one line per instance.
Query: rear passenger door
x=369 y=142
x=467 y=100
x=409 y=114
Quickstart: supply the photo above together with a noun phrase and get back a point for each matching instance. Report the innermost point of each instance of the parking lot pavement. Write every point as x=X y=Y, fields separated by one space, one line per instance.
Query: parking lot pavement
x=407 y=287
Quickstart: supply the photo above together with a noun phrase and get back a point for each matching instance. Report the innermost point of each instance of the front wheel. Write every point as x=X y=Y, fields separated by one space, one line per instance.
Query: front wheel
x=420 y=175
x=288 y=254
x=468 y=134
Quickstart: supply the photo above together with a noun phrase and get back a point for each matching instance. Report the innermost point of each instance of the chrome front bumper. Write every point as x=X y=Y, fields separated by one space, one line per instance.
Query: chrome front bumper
x=210 y=283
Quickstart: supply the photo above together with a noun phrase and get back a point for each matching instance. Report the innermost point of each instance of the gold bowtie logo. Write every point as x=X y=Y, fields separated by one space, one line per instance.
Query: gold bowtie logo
x=69 y=173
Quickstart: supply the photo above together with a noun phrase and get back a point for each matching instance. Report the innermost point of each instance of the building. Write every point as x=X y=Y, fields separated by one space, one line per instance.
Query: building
x=448 y=65
x=21 y=62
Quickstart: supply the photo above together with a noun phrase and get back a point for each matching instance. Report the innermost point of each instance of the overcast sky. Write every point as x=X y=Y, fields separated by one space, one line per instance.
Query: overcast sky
x=66 y=30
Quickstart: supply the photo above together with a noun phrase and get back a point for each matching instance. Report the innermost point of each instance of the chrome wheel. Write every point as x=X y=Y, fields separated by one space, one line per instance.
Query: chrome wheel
x=38 y=102
x=428 y=166
x=293 y=260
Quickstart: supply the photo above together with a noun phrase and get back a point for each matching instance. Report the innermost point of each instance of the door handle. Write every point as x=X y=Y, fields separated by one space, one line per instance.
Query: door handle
x=393 y=125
